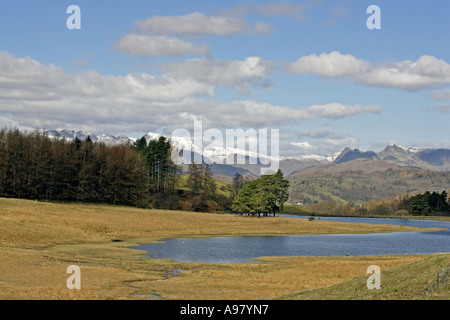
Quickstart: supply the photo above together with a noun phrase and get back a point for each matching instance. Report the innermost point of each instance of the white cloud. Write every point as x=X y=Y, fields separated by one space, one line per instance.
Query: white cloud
x=27 y=79
x=238 y=74
x=142 y=45
x=332 y=65
x=306 y=146
x=336 y=111
x=198 y=24
x=251 y=113
x=37 y=95
x=426 y=72
x=160 y=35
x=45 y=96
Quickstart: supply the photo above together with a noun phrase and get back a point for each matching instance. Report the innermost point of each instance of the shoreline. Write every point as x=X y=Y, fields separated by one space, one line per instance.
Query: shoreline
x=324 y=215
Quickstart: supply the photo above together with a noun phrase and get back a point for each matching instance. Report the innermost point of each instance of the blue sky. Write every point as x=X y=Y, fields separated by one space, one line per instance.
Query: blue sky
x=311 y=69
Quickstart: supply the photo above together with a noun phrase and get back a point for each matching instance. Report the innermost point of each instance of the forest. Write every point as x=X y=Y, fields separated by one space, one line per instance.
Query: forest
x=34 y=166
x=429 y=203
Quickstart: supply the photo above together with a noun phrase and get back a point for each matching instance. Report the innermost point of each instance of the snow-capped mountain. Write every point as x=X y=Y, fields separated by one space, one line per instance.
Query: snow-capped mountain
x=313 y=157
x=399 y=153
x=216 y=154
x=427 y=158
x=107 y=139
x=351 y=154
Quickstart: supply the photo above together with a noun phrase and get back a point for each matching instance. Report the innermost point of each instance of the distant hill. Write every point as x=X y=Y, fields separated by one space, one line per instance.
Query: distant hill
x=363 y=165
x=358 y=181
x=436 y=157
x=427 y=158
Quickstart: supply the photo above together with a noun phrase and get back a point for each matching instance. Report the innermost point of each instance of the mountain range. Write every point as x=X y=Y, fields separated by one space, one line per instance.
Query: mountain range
x=107 y=139
x=393 y=156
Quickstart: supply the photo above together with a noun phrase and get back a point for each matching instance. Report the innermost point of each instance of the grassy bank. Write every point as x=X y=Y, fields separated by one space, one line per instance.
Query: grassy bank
x=421 y=279
x=38 y=241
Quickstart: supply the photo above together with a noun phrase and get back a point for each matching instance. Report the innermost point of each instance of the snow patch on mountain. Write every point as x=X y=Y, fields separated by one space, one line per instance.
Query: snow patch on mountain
x=313 y=157
x=394 y=154
x=107 y=139
x=212 y=152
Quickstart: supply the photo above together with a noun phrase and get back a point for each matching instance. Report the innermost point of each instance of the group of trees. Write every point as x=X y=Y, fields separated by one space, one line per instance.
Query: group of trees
x=429 y=203
x=161 y=172
x=265 y=195
x=202 y=186
x=32 y=166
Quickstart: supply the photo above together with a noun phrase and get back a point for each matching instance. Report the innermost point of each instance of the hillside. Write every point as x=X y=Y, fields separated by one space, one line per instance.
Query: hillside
x=364 y=165
x=356 y=182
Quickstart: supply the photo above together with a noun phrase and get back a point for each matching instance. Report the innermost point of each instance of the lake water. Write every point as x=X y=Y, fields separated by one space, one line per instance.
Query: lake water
x=244 y=249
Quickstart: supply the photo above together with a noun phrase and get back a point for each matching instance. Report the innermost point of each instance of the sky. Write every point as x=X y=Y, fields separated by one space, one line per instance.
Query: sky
x=312 y=69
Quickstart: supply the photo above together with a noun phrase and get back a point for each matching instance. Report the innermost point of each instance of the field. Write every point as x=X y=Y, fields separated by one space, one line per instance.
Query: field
x=38 y=241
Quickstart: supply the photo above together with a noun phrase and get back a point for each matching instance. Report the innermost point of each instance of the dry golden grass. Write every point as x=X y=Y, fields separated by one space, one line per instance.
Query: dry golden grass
x=38 y=241
x=411 y=281
x=270 y=277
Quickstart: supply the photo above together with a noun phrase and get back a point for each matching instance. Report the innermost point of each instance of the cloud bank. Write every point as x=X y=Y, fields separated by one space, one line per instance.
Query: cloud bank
x=36 y=95
x=427 y=72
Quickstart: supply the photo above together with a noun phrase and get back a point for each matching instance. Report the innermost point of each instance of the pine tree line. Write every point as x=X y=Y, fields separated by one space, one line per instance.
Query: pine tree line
x=429 y=203
x=161 y=172
x=33 y=166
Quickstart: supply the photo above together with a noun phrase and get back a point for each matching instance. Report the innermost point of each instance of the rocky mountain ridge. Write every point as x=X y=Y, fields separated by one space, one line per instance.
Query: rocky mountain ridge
x=392 y=156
